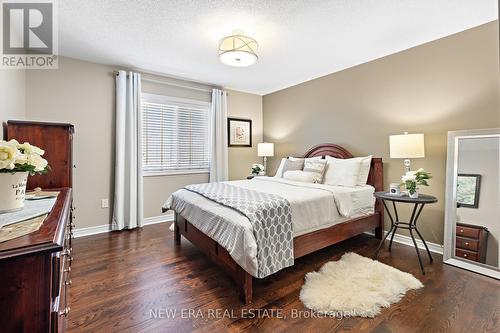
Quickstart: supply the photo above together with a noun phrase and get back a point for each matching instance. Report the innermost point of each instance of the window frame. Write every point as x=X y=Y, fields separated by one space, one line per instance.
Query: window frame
x=163 y=99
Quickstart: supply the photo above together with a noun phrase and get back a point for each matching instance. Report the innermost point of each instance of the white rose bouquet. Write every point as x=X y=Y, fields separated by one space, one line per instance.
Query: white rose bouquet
x=413 y=178
x=17 y=157
x=257 y=168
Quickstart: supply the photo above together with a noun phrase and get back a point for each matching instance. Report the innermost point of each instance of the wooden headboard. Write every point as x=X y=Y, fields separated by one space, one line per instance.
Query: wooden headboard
x=375 y=177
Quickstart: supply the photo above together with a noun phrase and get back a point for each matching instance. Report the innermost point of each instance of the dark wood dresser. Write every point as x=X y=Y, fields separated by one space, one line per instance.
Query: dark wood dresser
x=57 y=141
x=471 y=242
x=35 y=274
x=34 y=269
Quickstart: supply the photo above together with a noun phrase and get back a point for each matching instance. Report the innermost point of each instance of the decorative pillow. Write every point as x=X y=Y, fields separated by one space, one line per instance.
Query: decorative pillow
x=299 y=176
x=342 y=172
x=290 y=165
x=364 y=170
x=316 y=167
x=280 y=172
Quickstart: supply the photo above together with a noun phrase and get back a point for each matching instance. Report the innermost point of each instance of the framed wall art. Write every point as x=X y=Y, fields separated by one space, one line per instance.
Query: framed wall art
x=468 y=188
x=239 y=132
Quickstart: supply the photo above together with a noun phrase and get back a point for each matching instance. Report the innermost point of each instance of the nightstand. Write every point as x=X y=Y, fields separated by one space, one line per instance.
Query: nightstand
x=419 y=204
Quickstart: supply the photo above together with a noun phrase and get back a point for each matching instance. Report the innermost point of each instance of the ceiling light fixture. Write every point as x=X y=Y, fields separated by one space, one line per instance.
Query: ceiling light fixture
x=238 y=50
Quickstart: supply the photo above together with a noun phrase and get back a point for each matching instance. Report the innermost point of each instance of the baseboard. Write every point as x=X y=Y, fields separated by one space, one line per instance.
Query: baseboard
x=401 y=239
x=159 y=219
x=406 y=240
x=99 y=229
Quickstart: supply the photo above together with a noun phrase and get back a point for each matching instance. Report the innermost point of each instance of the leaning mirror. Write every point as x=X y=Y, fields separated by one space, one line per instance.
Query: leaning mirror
x=472 y=229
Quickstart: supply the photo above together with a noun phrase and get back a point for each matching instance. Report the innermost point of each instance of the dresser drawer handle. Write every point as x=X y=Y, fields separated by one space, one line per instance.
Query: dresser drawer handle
x=68 y=283
x=465 y=255
x=67 y=270
x=65 y=312
x=461 y=230
x=466 y=244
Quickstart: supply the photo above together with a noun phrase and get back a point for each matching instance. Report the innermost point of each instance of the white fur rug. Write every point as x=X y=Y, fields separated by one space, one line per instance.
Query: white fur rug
x=355 y=286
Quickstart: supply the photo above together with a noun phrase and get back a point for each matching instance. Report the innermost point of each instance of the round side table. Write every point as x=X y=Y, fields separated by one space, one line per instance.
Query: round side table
x=419 y=204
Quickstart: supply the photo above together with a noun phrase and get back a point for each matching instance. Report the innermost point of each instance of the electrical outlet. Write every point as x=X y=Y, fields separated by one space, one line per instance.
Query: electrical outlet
x=104 y=203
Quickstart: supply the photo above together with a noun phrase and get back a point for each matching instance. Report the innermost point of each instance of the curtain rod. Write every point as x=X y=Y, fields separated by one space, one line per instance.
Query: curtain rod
x=171 y=84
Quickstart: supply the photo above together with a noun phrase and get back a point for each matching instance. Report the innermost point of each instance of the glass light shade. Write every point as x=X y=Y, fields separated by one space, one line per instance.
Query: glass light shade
x=265 y=149
x=238 y=50
x=407 y=146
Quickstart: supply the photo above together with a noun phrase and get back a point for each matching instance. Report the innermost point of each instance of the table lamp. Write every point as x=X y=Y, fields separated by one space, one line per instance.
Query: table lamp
x=407 y=146
x=265 y=149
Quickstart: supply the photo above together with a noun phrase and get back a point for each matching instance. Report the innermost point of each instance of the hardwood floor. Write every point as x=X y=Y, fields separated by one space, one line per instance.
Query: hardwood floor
x=122 y=280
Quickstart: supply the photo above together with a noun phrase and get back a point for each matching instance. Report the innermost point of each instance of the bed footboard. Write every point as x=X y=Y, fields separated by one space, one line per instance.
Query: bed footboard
x=303 y=245
x=216 y=253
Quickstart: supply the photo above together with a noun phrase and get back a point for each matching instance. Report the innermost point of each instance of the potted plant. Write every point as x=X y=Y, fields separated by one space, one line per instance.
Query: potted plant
x=257 y=169
x=414 y=178
x=17 y=161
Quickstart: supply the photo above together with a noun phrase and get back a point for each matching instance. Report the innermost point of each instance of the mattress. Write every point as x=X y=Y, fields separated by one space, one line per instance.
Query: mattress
x=314 y=207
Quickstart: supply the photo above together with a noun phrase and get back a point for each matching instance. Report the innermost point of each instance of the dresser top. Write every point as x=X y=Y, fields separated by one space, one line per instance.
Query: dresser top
x=50 y=236
x=37 y=123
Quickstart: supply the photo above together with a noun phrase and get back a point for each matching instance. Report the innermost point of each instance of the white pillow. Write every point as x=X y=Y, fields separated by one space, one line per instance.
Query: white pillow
x=279 y=172
x=364 y=169
x=300 y=176
x=342 y=172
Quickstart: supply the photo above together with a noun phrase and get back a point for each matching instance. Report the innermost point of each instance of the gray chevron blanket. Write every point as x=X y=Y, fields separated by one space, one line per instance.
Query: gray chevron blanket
x=270 y=216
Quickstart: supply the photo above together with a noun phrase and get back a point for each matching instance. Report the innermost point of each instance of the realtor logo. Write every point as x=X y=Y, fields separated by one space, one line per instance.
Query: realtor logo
x=28 y=34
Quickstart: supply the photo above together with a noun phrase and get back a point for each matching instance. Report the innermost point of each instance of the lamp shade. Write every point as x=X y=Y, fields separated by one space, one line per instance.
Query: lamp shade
x=265 y=149
x=238 y=50
x=407 y=146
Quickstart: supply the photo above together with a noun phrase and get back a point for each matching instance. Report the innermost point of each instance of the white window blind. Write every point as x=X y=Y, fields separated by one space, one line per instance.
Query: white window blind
x=175 y=135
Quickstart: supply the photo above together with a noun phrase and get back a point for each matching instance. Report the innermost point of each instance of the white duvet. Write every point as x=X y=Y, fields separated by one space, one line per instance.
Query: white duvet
x=314 y=206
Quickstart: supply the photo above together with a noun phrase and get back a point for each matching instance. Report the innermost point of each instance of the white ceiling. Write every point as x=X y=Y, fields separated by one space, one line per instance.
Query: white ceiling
x=298 y=40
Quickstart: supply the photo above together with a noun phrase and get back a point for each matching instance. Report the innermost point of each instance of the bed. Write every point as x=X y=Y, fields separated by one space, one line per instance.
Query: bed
x=319 y=215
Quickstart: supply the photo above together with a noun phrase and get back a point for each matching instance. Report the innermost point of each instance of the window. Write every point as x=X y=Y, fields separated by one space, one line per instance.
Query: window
x=175 y=135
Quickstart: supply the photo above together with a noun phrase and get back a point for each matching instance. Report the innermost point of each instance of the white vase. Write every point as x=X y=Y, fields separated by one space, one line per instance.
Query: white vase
x=12 y=190
x=414 y=195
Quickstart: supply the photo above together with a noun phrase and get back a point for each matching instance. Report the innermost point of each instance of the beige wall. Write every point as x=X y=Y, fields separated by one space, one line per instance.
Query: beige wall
x=12 y=95
x=247 y=106
x=82 y=93
x=448 y=84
